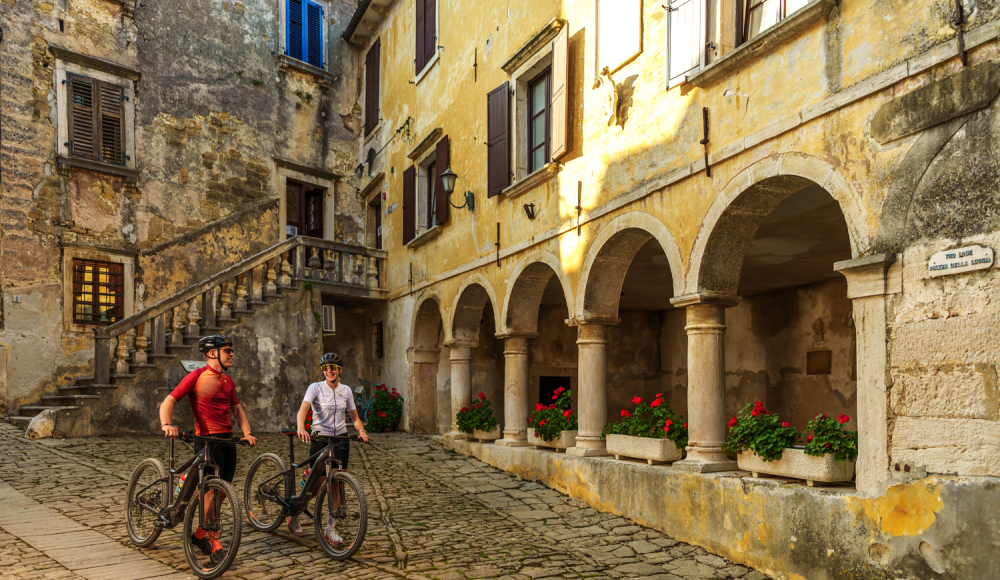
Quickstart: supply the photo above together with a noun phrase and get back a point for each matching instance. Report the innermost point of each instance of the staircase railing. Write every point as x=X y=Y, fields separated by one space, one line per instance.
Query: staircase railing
x=231 y=292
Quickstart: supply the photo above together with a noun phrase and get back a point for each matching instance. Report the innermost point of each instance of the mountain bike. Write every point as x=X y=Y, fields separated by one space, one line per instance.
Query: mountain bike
x=150 y=508
x=268 y=496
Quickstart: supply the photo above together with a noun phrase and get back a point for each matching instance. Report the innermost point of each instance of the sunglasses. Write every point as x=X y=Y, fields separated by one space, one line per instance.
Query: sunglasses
x=228 y=351
x=330 y=367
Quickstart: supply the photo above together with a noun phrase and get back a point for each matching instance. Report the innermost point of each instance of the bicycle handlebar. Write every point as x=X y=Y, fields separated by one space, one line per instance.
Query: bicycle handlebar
x=188 y=437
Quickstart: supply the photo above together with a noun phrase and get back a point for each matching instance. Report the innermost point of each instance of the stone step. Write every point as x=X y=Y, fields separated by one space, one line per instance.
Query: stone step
x=66 y=400
x=85 y=381
x=272 y=298
x=122 y=378
x=86 y=389
x=32 y=410
x=157 y=357
x=19 y=421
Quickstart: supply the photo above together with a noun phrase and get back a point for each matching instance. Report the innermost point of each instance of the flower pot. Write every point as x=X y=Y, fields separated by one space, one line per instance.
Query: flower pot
x=565 y=440
x=491 y=435
x=796 y=464
x=647 y=448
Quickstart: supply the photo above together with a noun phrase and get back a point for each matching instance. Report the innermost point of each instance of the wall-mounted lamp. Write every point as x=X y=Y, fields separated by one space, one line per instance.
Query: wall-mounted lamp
x=359 y=170
x=448 y=182
x=529 y=208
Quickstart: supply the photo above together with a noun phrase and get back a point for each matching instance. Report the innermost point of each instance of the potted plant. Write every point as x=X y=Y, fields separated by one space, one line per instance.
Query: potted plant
x=765 y=444
x=386 y=410
x=554 y=425
x=478 y=420
x=650 y=432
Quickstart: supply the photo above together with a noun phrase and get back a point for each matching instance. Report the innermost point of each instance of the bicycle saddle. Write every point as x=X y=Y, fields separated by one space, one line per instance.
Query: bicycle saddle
x=287 y=431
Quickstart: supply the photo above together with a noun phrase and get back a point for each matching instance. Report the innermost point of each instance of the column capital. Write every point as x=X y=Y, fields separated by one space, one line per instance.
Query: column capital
x=461 y=344
x=867 y=276
x=717 y=298
x=515 y=334
x=593 y=321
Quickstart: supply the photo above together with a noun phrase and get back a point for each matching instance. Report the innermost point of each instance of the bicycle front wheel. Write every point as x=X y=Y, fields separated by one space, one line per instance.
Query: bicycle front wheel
x=341 y=530
x=266 y=484
x=147 y=495
x=220 y=522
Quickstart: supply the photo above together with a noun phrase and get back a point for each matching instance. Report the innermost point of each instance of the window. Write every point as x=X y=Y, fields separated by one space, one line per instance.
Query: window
x=619 y=33
x=685 y=34
x=425 y=204
x=763 y=14
x=305 y=22
x=372 y=88
x=378 y=342
x=428 y=195
x=96 y=120
x=98 y=292
x=426 y=33
x=538 y=121
x=303 y=210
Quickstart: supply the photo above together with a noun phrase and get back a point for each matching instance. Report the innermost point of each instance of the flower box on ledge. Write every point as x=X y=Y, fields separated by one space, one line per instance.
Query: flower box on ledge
x=796 y=464
x=565 y=440
x=647 y=448
x=491 y=435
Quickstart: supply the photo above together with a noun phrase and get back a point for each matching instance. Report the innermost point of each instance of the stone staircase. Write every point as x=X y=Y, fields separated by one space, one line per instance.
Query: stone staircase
x=150 y=341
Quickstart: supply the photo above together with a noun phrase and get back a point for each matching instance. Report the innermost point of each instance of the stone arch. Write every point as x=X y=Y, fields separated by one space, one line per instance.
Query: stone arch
x=732 y=220
x=610 y=256
x=473 y=295
x=425 y=354
x=428 y=319
x=524 y=291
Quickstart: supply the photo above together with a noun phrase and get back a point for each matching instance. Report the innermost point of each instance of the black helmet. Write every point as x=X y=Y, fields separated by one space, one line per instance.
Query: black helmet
x=331 y=358
x=215 y=341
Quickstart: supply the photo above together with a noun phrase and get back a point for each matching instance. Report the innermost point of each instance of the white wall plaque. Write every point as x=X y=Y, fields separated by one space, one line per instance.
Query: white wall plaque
x=960 y=260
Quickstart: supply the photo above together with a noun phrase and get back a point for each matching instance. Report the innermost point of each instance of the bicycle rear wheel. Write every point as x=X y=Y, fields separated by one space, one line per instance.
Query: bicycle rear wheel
x=350 y=518
x=223 y=526
x=144 y=492
x=266 y=483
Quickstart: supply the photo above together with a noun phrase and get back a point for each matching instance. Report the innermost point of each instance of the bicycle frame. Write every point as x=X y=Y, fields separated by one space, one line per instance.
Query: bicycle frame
x=173 y=513
x=299 y=503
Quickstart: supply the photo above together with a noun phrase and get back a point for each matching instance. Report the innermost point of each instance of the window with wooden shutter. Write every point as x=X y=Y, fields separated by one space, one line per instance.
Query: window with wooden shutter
x=559 y=107
x=426 y=33
x=96 y=120
x=498 y=148
x=441 y=162
x=539 y=120
x=304 y=31
x=409 y=204
x=418 y=55
x=685 y=39
x=372 y=86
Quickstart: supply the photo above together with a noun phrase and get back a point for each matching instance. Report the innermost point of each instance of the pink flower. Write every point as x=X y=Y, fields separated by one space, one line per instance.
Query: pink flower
x=844 y=418
x=636 y=400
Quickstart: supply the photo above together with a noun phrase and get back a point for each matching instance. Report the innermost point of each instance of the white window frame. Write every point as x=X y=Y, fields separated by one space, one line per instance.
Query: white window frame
x=283 y=33
x=615 y=67
x=82 y=252
x=703 y=28
x=422 y=187
x=518 y=130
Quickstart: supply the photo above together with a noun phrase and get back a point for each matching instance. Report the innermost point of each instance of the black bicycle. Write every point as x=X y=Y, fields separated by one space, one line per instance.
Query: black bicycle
x=269 y=499
x=150 y=507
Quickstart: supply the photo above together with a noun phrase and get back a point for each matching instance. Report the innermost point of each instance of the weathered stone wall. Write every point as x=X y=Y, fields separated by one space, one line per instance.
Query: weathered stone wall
x=214 y=110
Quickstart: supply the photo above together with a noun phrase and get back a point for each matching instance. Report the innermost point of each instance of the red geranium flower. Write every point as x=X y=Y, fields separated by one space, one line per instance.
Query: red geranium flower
x=666 y=426
x=732 y=422
x=809 y=438
x=539 y=407
x=383 y=414
x=844 y=418
x=819 y=416
x=536 y=434
x=554 y=397
x=567 y=413
x=482 y=397
x=560 y=390
x=685 y=425
x=656 y=403
x=541 y=423
x=625 y=413
x=552 y=406
x=636 y=400
x=658 y=395
x=785 y=424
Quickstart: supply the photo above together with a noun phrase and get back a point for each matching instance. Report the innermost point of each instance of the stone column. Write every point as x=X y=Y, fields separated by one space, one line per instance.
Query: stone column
x=592 y=398
x=706 y=330
x=517 y=375
x=423 y=398
x=869 y=281
x=461 y=382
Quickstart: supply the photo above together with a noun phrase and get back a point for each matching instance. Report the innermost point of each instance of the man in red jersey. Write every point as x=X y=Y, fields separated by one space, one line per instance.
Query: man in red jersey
x=212 y=395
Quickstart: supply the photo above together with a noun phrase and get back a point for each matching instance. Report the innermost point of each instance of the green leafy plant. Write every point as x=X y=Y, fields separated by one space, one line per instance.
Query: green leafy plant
x=549 y=421
x=386 y=409
x=304 y=96
x=757 y=429
x=257 y=82
x=655 y=420
x=829 y=436
x=478 y=416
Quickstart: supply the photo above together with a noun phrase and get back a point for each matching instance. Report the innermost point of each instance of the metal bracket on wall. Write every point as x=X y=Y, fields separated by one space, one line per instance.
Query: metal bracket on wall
x=579 y=205
x=498 y=244
x=411 y=277
x=704 y=115
x=959 y=21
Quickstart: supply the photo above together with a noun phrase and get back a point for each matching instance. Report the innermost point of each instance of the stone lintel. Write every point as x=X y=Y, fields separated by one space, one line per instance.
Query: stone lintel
x=866 y=276
x=540 y=39
x=724 y=300
x=425 y=143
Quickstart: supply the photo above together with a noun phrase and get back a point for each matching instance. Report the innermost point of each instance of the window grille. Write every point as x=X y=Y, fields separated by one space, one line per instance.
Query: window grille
x=378 y=340
x=98 y=292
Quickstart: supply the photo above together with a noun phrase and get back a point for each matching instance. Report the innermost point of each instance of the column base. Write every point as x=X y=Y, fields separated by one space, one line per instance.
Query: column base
x=586 y=452
x=455 y=435
x=705 y=460
x=505 y=442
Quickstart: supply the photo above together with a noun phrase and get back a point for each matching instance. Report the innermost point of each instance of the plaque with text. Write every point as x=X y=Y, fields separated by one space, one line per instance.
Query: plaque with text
x=960 y=260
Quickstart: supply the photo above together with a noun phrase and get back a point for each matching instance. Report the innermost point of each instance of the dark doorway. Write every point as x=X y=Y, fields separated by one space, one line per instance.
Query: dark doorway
x=304 y=210
x=547 y=388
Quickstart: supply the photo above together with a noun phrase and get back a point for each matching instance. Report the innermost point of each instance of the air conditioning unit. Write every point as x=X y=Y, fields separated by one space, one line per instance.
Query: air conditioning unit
x=329 y=320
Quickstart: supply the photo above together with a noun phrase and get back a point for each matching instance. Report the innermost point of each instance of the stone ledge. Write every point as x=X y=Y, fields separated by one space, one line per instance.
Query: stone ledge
x=799 y=20
x=286 y=62
x=539 y=176
x=64 y=163
x=425 y=237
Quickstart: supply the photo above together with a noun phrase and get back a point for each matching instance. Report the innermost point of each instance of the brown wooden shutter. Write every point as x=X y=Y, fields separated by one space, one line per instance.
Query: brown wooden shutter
x=409 y=205
x=559 y=119
x=372 y=86
x=430 y=30
x=441 y=162
x=498 y=148
x=82 y=117
x=112 y=117
x=420 y=30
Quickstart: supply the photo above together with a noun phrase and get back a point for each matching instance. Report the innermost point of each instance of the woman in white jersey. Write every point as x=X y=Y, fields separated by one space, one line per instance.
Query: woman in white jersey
x=331 y=402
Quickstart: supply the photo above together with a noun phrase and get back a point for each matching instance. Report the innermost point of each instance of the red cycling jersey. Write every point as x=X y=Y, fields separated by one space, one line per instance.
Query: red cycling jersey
x=211 y=395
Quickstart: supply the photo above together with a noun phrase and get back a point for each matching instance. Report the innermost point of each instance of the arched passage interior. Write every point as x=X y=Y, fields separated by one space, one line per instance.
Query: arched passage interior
x=428 y=376
x=475 y=344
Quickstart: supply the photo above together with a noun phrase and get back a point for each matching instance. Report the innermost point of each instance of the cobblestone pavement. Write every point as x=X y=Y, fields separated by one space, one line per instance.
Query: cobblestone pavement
x=433 y=515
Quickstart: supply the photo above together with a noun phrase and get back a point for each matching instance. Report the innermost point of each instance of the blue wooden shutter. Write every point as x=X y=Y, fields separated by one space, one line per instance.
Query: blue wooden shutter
x=314 y=34
x=295 y=30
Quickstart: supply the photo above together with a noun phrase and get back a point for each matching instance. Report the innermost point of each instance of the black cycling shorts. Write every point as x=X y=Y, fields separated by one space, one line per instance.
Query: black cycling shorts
x=341 y=452
x=223 y=455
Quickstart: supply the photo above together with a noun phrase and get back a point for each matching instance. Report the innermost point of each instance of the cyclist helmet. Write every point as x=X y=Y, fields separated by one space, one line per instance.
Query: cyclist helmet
x=215 y=341
x=331 y=358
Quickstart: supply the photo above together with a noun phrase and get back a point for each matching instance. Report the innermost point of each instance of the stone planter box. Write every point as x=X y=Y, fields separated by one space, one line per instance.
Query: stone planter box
x=663 y=450
x=796 y=464
x=565 y=440
x=491 y=435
